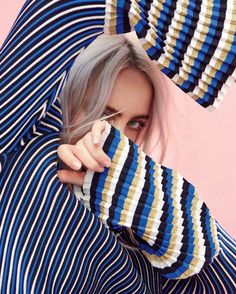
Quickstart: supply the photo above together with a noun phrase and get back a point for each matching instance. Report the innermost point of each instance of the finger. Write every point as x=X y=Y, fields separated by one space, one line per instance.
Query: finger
x=65 y=153
x=80 y=151
x=97 y=128
x=96 y=152
x=71 y=177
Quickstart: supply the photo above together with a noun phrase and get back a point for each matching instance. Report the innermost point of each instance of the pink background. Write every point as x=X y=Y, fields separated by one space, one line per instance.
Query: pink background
x=202 y=145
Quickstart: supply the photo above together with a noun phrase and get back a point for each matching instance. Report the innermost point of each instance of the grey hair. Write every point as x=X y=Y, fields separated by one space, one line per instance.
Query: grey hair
x=86 y=92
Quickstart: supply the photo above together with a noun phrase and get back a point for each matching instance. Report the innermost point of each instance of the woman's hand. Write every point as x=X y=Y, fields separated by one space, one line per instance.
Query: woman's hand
x=87 y=152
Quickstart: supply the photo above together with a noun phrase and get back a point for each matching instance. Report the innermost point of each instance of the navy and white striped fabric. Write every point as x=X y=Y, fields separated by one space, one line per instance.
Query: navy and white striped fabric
x=49 y=242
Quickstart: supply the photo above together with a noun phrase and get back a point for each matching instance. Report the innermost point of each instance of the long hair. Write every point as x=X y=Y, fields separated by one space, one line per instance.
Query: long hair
x=90 y=82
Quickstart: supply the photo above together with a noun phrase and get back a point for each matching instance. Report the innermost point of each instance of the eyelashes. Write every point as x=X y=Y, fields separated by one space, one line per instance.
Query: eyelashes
x=141 y=125
x=134 y=125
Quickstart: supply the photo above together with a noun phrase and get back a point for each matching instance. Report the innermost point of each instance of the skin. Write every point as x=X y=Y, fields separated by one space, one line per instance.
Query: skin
x=132 y=98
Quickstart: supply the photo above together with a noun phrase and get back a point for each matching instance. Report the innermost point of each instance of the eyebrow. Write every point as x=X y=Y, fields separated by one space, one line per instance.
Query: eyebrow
x=113 y=110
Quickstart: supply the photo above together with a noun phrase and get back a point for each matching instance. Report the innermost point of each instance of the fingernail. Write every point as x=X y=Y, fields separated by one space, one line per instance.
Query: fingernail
x=101 y=169
x=107 y=163
x=76 y=165
x=95 y=140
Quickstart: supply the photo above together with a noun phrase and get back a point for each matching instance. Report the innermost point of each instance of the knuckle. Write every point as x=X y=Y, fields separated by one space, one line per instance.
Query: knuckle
x=61 y=176
x=95 y=166
x=97 y=124
x=60 y=150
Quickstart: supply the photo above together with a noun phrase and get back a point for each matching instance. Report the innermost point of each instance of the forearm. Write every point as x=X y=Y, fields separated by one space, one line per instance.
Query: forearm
x=173 y=226
x=35 y=58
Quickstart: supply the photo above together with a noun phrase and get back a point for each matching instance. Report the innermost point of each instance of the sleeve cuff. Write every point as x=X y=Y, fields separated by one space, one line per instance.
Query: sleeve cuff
x=172 y=224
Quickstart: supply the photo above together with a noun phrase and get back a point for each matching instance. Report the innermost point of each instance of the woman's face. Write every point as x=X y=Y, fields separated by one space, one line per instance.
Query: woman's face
x=131 y=93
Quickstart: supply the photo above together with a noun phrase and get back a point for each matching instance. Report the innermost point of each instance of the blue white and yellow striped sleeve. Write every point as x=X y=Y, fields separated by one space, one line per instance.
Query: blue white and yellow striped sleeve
x=171 y=224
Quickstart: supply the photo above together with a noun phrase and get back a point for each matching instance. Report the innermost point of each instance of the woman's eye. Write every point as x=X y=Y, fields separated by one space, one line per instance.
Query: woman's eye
x=136 y=125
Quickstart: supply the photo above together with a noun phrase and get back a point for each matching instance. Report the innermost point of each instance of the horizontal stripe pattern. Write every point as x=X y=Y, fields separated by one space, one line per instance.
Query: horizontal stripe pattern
x=218 y=277
x=193 y=42
x=107 y=196
x=175 y=229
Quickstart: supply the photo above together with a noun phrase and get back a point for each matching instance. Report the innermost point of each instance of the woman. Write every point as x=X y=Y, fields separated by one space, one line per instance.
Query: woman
x=49 y=242
x=101 y=81
x=129 y=107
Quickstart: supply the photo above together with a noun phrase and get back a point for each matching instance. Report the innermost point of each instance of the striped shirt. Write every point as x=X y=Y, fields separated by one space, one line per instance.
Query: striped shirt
x=49 y=241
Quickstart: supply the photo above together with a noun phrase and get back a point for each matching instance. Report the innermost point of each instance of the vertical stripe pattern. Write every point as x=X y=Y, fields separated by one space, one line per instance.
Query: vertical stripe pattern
x=35 y=59
x=218 y=277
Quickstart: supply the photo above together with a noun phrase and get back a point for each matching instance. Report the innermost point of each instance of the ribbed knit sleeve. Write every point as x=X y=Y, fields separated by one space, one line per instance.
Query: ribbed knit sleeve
x=193 y=42
x=173 y=226
x=217 y=277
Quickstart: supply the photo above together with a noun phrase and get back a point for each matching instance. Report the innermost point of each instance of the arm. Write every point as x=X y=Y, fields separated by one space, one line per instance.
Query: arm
x=49 y=242
x=194 y=44
x=48 y=35
x=35 y=59
x=172 y=224
x=217 y=277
